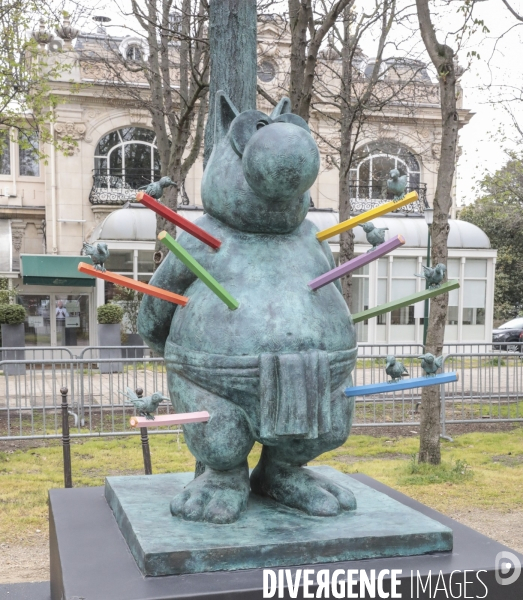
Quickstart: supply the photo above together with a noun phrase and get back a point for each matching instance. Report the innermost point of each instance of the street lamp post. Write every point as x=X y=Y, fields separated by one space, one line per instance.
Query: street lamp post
x=429 y=216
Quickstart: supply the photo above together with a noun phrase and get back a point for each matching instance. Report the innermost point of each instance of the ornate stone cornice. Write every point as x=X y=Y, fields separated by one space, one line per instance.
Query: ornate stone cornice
x=22 y=212
x=17 y=233
x=66 y=132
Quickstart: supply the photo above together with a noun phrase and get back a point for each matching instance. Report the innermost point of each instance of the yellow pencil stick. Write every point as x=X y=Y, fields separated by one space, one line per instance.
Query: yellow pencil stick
x=380 y=210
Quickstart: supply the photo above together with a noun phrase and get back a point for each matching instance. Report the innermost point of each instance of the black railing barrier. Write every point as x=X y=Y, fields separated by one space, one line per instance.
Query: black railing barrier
x=146 y=451
x=66 y=440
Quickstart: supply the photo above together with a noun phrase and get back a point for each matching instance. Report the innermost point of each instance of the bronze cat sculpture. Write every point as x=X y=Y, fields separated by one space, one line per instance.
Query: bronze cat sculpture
x=273 y=370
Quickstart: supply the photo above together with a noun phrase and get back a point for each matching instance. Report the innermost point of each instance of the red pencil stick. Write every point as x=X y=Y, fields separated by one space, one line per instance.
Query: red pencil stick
x=182 y=222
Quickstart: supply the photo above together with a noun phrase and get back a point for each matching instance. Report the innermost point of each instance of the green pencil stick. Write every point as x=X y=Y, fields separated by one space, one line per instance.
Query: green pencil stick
x=405 y=301
x=192 y=264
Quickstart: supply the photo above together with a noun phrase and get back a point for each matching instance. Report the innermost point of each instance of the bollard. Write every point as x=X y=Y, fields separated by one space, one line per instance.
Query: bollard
x=146 y=451
x=66 y=440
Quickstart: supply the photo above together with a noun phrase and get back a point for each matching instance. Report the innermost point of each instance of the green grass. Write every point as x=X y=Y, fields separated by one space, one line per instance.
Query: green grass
x=451 y=364
x=475 y=410
x=447 y=472
x=483 y=470
x=494 y=472
x=495 y=362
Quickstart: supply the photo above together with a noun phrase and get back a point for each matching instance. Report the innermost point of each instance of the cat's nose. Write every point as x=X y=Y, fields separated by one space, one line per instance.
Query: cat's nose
x=281 y=161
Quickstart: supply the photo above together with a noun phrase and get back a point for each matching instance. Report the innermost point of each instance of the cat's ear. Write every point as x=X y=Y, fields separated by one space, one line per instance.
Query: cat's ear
x=225 y=114
x=283 y=106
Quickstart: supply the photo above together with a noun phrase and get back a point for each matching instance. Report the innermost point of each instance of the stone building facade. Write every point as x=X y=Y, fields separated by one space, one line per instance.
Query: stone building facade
x=82 y=193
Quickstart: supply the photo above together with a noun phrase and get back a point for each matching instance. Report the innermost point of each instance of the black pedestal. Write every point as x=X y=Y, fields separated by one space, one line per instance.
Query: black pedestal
x=25 y=591
x=90 y=559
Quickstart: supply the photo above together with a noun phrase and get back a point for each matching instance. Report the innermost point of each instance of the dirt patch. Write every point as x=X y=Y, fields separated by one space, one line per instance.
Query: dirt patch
x=506 y=528
x=26 y=560
x=509 y=460
x=396 y=431
x=350 y=460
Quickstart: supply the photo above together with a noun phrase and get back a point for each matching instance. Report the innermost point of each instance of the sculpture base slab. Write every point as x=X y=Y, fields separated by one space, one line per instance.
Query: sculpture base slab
x=90 y=559
x=267 y=533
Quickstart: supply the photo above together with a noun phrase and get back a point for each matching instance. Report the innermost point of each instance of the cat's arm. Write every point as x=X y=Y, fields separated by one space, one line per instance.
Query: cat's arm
x=155 y=316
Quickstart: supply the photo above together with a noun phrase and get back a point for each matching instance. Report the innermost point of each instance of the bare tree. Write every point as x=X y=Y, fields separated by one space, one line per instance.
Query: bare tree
x=350 y=93
x=174 y=66
x=514 y=12
x=310 y=23
x=174 y=111
x=444 y=61
x=355 y=103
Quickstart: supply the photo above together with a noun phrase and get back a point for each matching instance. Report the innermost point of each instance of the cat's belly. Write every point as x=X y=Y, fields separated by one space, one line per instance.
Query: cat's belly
x=278 y=312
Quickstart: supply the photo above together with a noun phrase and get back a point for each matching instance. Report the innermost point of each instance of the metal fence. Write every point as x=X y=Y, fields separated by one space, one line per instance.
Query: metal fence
x=490 y=387
x=30 y=395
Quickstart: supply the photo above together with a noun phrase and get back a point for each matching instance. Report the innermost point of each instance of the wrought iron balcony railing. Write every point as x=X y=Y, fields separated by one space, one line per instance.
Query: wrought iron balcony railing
x=365 y=197
x=117 y=187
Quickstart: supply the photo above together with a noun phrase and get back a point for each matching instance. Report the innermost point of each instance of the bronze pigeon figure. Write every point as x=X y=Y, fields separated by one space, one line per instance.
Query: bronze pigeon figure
x=145 y=406
x=395 y=369
x=155 y=189
x=397 y=184
x=430 y=364
x=433 y=275
x=375 y=235
x=99 y=253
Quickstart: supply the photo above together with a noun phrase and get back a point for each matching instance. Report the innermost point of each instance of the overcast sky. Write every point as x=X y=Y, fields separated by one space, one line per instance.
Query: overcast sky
x=496 y=76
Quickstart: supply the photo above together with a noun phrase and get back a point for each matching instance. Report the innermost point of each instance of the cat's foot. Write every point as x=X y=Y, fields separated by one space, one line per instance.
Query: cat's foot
x=214 y=496
x=301 y=488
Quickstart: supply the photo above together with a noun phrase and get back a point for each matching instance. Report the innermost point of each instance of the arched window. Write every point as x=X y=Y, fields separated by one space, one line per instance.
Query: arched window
x=128 y=158
x=372 y=165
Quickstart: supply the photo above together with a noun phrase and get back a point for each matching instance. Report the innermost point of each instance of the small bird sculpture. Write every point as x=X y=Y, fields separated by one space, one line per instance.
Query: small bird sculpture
x=145 y=406
x=99 y=253
x=430 y=364
x=397 y=184
x=375 y=235
x=395 y=369
x=155 y=189
x=433 y=275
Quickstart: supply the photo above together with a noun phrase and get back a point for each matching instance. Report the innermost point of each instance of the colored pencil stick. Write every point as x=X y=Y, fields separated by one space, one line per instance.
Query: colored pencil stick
x=175 y=419
x=356 y=263
x=404 y=384
x=139 y=286
x=405 y=301
x=192 y=264
x=378 y=211
x=182 y=222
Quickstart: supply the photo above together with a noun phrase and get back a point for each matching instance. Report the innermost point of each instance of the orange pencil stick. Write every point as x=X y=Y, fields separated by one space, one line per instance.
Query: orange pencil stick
x=139 y=286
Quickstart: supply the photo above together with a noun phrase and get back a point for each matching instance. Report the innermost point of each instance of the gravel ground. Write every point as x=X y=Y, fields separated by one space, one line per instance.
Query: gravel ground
x=25 y=560
x=506 y=528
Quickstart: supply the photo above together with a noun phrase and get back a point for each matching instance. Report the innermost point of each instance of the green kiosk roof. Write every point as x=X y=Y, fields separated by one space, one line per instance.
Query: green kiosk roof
x=52 y=269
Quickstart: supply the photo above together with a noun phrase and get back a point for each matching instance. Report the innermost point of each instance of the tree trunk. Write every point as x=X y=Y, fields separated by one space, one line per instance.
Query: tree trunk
x=232 y=40
x=347 y=237
x=298 y=22
x=170 y=199
x=442 y=57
